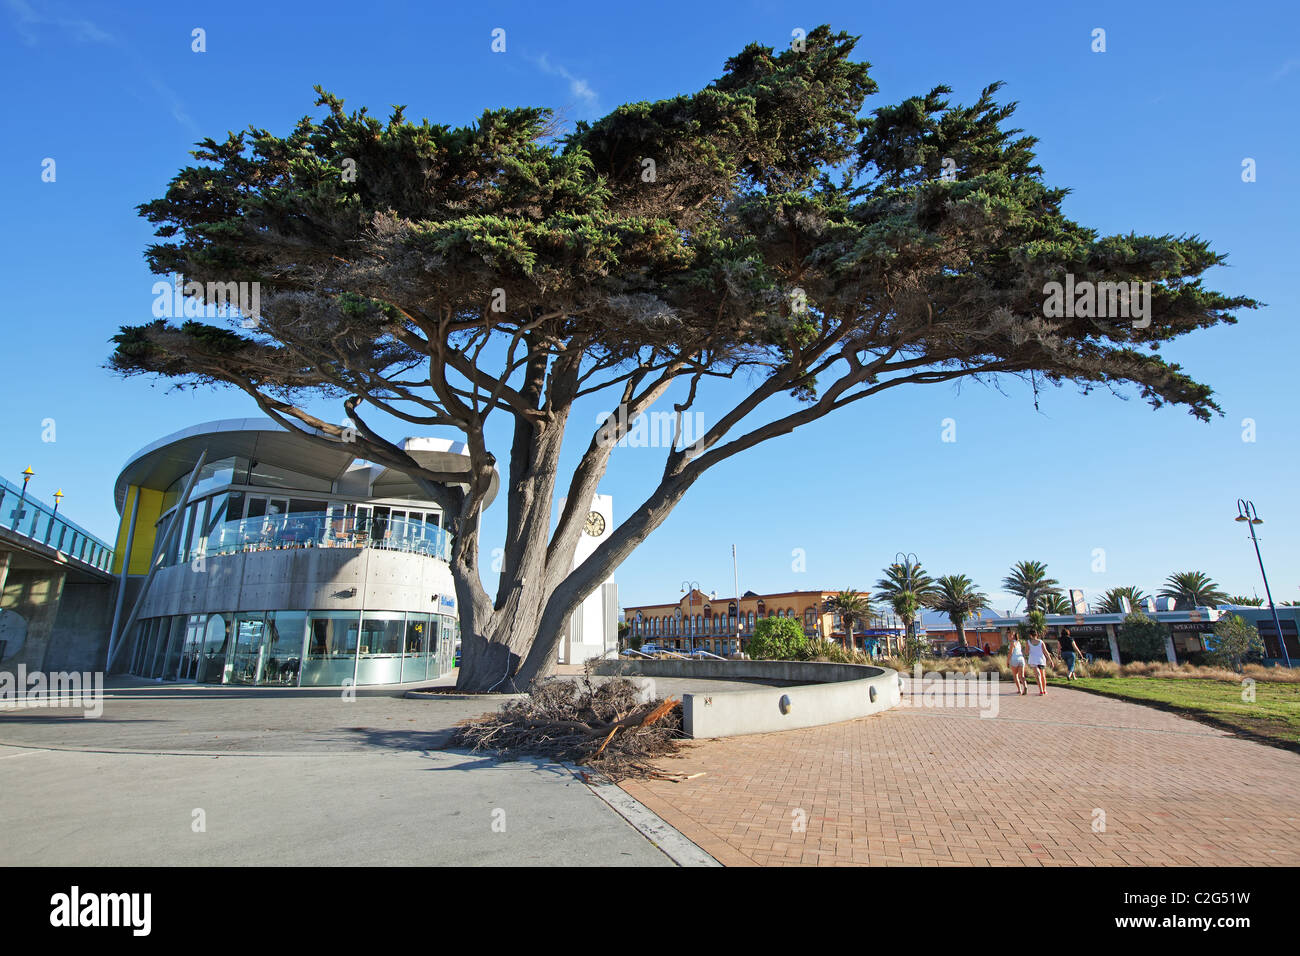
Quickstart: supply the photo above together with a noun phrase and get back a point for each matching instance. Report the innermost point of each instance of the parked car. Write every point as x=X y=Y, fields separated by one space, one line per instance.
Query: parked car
x=966 y=650
x=650 y=648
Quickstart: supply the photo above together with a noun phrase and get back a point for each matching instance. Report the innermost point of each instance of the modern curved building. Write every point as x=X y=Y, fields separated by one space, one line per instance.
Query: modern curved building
x=289 y=563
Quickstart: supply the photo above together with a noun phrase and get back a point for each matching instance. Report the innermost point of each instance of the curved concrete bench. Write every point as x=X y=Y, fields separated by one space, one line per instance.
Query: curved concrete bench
x=823 y=693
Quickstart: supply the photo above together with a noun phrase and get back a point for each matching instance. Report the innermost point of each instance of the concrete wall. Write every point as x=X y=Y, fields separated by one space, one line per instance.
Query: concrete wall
x=825 y=694
x=79 y=641
x=301 y=579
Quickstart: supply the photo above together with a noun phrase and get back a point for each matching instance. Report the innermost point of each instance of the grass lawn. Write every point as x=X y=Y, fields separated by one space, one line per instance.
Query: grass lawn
x=1273 y=717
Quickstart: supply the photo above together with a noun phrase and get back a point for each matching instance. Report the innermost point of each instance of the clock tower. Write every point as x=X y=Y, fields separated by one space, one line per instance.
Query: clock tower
x=593 y=627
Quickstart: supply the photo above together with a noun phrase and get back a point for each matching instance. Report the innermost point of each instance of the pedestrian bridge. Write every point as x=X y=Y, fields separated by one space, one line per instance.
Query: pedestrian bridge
x=56 y=583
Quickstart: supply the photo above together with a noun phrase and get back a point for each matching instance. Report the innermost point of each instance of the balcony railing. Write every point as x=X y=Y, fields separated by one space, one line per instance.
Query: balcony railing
x=322 y=529
x=31 y=519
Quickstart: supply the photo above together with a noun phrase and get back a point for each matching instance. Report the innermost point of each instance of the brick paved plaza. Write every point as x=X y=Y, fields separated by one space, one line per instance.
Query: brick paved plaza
x=944 y=787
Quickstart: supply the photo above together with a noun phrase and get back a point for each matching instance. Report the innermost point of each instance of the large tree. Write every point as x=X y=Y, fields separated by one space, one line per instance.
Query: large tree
x=853 y=607
x=1029 y=580
x=1108 y=603
x=1191 y=589
x=906 y=588
x=958 y=596
x=764 y=235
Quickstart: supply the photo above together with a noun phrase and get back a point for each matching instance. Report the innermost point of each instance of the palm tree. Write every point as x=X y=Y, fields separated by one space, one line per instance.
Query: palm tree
x=1055 y=603
x=957 y=597
x=905 y=605
x=1109 y=603
x=1191 y=589
x=853 y=607
x=908 y=578
x=1029 y=580
x=1243 y=601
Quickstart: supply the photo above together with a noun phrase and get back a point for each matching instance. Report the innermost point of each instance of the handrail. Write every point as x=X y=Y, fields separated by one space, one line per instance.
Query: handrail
x=46 y=527
x=319 y=529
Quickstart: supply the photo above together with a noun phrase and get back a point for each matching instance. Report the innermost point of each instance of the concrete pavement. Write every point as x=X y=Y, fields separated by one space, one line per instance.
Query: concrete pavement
x=211 y=776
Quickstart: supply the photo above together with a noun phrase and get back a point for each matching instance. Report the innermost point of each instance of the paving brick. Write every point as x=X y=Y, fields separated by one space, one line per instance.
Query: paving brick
x=932 y=786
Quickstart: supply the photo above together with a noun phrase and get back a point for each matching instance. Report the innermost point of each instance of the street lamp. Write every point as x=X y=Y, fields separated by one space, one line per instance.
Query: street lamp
x=58 y=498
x=1246 y=512
x=28 y=475
x=908 y=560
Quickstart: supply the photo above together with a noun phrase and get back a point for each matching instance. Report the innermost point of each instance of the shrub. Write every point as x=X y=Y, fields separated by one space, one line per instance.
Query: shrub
x=1236 y=641
x=1142 y=638
x=777 y=639
x=831 y=653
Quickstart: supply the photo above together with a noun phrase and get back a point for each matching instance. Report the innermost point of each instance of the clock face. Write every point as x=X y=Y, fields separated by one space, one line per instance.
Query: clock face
x=595 y=525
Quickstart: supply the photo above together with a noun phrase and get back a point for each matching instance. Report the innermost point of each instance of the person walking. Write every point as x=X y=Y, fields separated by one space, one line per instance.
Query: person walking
x=1016 y=661
x=1070 y=652
x=1039 y=659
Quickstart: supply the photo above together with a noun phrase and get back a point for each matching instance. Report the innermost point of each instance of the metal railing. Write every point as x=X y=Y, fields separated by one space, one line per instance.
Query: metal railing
x=25 y=516
x=320 y=529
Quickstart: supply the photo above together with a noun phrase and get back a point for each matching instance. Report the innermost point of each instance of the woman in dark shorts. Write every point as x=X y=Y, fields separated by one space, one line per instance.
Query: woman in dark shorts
x=1070 y=652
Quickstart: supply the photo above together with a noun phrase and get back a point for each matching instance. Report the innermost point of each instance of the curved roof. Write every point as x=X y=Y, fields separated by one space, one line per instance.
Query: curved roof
x=160 y=463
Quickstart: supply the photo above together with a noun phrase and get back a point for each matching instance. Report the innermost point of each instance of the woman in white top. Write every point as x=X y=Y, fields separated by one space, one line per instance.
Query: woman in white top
x=1016 y=660
x=1039 y=659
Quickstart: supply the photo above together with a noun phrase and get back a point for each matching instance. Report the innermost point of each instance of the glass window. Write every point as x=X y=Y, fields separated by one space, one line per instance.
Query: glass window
x=379 y=524
x=331 y=648
x=383 y=635
x=175 y=642
x=192 y=651
x=247 y=656
x=284 y=636
x=419 y=648
x=212 y=661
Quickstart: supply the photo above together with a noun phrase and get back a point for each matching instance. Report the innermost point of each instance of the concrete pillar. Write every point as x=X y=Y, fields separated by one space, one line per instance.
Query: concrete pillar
x=35 y=595
x=4 y=569
x=1169 y=648
x=1114 y=644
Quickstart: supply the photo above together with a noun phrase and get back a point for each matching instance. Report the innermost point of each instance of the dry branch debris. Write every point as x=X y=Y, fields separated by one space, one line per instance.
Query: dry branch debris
x=601 y=726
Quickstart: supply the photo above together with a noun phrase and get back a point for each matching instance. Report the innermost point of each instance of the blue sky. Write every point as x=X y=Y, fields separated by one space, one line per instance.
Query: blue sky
x=1149 y=135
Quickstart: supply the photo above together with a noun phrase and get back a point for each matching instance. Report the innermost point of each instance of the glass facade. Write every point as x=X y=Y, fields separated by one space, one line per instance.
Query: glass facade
x=237 y=505
x=296 y=648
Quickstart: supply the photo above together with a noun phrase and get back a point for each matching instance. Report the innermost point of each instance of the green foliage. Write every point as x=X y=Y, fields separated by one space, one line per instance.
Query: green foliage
x=831 y=652
x=914 y=648
x=777 y=639
x=957 y=596
x=1191 y=589
x=1236 y=641
x=853 y=607
x=1029 y=580
x=433 y=275
x=1142 y=638
x=1109 y=601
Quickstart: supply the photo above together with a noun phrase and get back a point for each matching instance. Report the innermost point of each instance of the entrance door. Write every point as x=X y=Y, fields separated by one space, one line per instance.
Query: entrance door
x=192 y=649
x=248 y=656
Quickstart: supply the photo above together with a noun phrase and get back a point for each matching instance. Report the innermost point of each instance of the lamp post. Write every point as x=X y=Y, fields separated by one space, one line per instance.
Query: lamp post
x=689 y=588
x=1246 y=512
x=908 y=560
x=58 y=498
x=28 y=475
